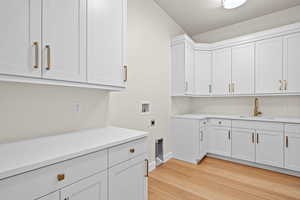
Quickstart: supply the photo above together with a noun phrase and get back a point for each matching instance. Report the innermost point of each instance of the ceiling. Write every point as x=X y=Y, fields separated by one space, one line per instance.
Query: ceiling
x=198 y=16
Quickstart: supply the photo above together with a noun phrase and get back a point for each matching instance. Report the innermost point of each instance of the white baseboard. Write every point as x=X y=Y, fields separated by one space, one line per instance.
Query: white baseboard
x=167 y=157
x=257 y=165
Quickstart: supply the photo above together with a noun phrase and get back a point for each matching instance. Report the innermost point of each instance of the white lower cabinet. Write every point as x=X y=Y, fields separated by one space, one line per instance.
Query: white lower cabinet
x=263 y=143
x=269 y=148
x=52 y=196
x=93 y=188
x=128 y=180
x=220 y=141
x=86 y=177
x=243 y=144
x=203 y=142
x=292 y=147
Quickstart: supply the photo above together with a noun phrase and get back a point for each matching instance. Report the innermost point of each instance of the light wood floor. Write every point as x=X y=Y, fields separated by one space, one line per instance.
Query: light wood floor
x=215 y=179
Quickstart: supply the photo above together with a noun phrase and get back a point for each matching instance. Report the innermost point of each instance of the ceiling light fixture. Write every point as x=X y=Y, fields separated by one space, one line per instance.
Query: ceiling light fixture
x=230 y=4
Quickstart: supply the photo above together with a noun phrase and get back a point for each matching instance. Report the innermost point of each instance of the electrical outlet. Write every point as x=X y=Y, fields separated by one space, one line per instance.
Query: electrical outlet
x=152 y=123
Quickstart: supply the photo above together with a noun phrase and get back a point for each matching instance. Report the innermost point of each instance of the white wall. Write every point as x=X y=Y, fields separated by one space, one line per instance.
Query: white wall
x=29 y=111
x=281 y=106
x=150 y=31
x=269 y=21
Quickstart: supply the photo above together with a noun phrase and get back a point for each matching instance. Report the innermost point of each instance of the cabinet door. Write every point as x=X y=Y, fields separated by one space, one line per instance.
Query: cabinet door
x=185 y=135
x=189 y=69
x=178 y=69
x=292 y=149
x=220 y=141
x=243 y=144
x=52 y=196
x=269 y=148
x=106 y=36
x=203 y=144
x=268 y=68
x=221 y=72
x=128 y=181
x=64 y=40
x=203 y=72
x=243 y=69
x=291 y=63
x=92 y=188
x=20 y=22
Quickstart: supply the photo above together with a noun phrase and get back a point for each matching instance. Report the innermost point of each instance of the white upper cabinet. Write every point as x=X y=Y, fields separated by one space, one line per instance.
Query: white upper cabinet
x=269 y=63
x=20 y=41
x=243 y=69
x=64 y=40
x=182 y=67
x=203 y=72
x=106 y=36
x=291 y=63
x=189 y=69
x=221 y=72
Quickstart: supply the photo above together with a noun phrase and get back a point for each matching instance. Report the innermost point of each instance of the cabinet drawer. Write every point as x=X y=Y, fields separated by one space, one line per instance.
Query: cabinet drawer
x=220 y=122
x=126 y=151
x=37 y=183
x=292 y=128
x=269 y=126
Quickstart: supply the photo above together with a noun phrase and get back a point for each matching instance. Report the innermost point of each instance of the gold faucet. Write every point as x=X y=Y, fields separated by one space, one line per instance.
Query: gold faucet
x=256 y=105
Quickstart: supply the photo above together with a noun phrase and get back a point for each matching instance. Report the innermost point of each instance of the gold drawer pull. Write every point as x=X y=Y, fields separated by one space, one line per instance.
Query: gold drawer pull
x=131 y=150
x=60 y=177
x=36 y=55
x=48 y=57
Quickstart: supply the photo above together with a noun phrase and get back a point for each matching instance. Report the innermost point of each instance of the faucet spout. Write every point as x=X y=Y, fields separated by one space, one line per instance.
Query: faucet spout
x=256 y=108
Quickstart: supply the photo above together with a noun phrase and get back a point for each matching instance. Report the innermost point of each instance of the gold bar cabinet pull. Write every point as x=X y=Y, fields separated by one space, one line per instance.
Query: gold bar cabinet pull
x=257 y=138
x=253 y=139
x=287 y=142
x=126 y=73
x=229 y=135
x=60 y=177
x=147 y=167
x=36 y=55
x=131 y=150
x=48 y=57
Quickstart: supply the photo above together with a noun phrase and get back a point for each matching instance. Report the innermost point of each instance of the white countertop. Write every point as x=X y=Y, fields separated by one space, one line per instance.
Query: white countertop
x=23 y=156
x=236 y=117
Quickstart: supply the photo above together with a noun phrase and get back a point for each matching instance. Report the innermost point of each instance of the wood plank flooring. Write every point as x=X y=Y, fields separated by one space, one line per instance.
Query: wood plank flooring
x=216 y=179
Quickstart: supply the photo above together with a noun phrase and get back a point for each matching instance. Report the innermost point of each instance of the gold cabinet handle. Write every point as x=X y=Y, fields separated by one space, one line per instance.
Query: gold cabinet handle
x=48 y=57
x=257 y=138
x=126 y=73
x=253 y=140
x=229 y=135
x=285 y=85
x=147 y=167
x=287 y=142
x=36 y=55
x=131 y=150
x=281 y=85
x=61 y=177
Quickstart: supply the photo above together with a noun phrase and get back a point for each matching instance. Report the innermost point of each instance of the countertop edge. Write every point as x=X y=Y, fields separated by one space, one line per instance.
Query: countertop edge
x=38 y=165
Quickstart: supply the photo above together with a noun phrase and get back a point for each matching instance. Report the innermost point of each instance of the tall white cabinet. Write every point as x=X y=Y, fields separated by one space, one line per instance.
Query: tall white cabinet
x=106 y=41
x=203 y=70
x=64 y=42
x=20 y=41
x=268 y=68
x=182 y=67
x=221 y=72
x=243 y=62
